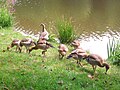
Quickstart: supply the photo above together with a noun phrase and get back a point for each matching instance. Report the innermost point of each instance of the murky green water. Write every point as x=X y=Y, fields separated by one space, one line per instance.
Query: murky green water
x=90 y=18
x=87 y=15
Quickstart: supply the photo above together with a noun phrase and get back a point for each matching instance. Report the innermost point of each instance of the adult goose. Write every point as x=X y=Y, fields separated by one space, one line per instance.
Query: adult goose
x=44 y=34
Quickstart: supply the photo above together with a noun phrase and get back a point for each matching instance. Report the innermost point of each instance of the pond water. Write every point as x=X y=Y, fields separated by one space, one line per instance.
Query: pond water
x=95 y=21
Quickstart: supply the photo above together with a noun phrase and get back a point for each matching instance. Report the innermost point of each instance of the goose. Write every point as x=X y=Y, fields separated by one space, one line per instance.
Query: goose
x=16 y=43
x=43 y=45
x=77 y=54
x=96 y=60
x=77 y=50
x=62 y=49
x=44 y=34
x=27 y=42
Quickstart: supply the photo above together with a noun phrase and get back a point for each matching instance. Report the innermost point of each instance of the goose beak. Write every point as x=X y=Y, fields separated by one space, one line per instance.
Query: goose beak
x=42 y=24
x=68 y=57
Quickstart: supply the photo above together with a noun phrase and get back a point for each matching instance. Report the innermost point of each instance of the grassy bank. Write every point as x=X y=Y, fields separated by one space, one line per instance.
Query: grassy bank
x=22 y=71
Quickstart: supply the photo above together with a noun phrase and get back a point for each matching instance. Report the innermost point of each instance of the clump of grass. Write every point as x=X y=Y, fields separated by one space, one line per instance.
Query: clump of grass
x=65 y=31
x=6 y=19
x=113 y=49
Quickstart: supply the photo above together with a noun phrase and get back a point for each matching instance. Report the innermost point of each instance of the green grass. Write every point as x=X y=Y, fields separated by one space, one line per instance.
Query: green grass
x=23 y=71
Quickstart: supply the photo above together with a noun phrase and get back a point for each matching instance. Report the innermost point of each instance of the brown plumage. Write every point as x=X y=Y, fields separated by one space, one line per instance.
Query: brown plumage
x=77 y=51
x=27 y=42
x=96 y=60
x=43 y=45
x=16 y=43
x=62 y=49
x=77 y=54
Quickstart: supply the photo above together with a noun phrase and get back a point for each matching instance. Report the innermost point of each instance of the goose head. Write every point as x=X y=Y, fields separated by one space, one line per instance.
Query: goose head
x=62 y=48
x=73 y=55
x=76 y=43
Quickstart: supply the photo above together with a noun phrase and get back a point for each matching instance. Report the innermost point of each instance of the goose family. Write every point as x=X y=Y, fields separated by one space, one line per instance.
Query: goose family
x=77 y=53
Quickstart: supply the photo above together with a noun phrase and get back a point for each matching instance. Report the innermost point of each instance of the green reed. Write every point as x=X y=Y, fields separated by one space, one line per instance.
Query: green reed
x=65 y=31
x=113 y=50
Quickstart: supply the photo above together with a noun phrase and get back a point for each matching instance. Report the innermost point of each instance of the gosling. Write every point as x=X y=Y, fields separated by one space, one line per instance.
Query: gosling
x=16 y=43
x=27 y=42
x=62 y=49
x=96 y=60
x=43 y=45
x=78 y=55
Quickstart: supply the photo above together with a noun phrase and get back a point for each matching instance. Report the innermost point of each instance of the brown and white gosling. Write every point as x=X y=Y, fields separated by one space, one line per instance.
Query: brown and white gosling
x=77 y=50
x=62 y=49
x=44 y=34
x=16 y=43
x=96 y=60
x=77 y=54
x=27 y=42
x=43 y=45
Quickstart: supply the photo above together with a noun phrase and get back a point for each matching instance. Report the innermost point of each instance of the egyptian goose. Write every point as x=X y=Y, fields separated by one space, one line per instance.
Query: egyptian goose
x=27 y=42
x=44 y=34
x=77 y=54
x=16 y=43
x=62 y=49
x=43 y=45
x=96 y=60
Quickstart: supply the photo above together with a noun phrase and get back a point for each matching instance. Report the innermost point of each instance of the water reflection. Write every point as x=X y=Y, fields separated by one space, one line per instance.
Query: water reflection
x=98 y=44
x=92 y=19
x=87 y=15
